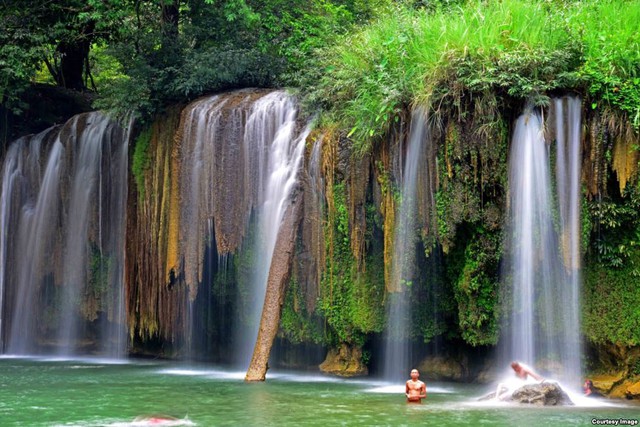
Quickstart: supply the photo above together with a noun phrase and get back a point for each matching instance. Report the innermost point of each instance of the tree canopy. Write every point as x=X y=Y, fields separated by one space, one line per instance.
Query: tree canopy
x=143 y=54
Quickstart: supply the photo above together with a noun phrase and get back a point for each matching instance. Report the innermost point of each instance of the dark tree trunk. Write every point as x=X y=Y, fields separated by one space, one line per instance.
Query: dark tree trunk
x=72 y=64
x=170 y=32
x=170 y=19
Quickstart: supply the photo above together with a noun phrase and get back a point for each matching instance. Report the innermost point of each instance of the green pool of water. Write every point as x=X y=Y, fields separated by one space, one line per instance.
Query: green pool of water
x=84 y=393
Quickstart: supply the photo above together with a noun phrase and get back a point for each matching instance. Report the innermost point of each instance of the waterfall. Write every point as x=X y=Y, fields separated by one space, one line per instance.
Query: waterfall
x=62 y=244
x=271 y=129
x=240 y=156
x=568 y=174
x=313 y=228
x=543 y=322
x=398 y=304
x=29 y=204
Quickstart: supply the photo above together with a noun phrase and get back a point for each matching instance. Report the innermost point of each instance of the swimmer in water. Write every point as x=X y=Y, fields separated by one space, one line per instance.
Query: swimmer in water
x=415 y=389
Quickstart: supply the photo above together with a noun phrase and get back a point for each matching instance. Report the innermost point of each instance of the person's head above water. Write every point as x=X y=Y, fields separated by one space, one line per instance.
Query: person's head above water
x=415 y=374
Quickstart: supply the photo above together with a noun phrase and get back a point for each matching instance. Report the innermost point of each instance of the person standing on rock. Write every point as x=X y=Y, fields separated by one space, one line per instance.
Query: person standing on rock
x=415 y=390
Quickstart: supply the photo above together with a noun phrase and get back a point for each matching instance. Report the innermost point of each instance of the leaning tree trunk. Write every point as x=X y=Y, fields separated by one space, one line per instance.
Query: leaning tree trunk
x=279 y=274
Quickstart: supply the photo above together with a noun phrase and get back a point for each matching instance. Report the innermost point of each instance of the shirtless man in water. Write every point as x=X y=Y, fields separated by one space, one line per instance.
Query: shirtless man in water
x=416 y=390
x=523 y=372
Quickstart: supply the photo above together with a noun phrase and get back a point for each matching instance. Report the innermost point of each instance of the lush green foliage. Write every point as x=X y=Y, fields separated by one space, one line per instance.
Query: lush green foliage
x=611 y=301
x=616 y=230
x=351 y=300
x=21 y=52
x=296 y=324
x=143 y=55
x=513 y=49
x=473 y=268
x=610 y=39
x=255 y=43
x=141 y=160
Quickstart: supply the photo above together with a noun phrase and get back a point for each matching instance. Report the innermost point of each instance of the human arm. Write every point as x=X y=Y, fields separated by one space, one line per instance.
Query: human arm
x=533 y=375
x=423 y=391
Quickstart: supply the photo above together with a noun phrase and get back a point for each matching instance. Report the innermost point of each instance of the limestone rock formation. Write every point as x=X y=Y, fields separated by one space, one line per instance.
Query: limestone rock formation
x=345 y=361
x=543 y=394
x=441 y=369
x=633 y=391
x=604 y=384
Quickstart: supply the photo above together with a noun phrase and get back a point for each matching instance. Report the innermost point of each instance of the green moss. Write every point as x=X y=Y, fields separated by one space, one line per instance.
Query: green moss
x=296 y=324
x=473 y=269
x=611 y=302
x=351 y=301
x=611 y=295
x=616 y=228
x=141 y=159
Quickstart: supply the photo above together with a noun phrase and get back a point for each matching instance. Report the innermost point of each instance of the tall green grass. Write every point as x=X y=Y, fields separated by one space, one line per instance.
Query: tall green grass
x=609 y=32
x=512 y=48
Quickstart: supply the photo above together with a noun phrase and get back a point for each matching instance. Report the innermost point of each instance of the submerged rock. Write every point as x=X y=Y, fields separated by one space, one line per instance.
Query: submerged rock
x=543 y=394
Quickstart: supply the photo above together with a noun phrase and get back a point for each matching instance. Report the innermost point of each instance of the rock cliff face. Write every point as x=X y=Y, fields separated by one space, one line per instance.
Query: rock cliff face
x=344 y=361
x=202 y=186
x=155 y=300
x=201 y=191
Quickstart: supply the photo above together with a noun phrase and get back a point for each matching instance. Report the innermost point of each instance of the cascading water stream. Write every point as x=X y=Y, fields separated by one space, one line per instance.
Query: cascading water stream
x=61 y=247
x=84 y=188
x=29 y=203
x=544 y=322
x=274 y=115
x=398 y=307
x=568 y=171
x=241 y=153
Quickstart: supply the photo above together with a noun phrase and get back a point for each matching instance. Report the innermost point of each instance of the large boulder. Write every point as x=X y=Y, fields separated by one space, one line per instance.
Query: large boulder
x=437 y=368
x=604 y=384
x=633 y=391
x=345 y=361
x=542 y=394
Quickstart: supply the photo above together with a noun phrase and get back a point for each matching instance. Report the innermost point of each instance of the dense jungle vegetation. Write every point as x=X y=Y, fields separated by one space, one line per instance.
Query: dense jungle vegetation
x=365 y=65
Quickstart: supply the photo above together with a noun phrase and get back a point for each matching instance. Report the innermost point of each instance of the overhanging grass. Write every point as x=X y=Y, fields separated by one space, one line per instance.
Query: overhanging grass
x=512 y=47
